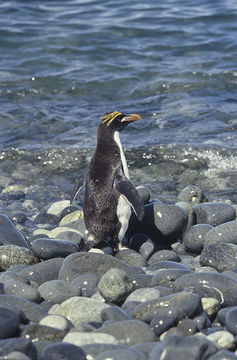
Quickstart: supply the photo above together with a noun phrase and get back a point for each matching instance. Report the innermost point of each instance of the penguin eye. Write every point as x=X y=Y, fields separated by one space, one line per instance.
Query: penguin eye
x=109 y=117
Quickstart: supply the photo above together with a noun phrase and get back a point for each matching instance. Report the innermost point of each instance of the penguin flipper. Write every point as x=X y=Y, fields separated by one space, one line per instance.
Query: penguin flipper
x=128 y=190
x=79 y=185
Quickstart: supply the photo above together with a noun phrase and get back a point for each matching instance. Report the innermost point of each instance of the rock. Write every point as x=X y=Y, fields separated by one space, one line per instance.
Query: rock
x=16 y=355
x=128 y=332
x=144 y=193
x=79 y=338
x=137 y=240
x=220 y=256
x=142 y=295
x=183 y=303
x=13 y=254
x=221 y=287
x=17 y=344
x=187 y=326
x=57 y=291
x=63 y=351
x=229 y=273
x=202 y=321
x=61 y=229
x=21 y=315
x=223 y=355
x=164 y=320
x=57 y=207
x=222 y=339
x=24 y=291
x=128 y=354
x=164 y=255
x=191 y=194
x=115 y=285
x=9 y=323
x=72 y=236
x=81 y=263
x=231 y=320
x=193 y=238
x=226 y=232
x=19 y=217
x=181 y=347
x=37 y=332
x=12 y=275
x=147 y=249
x=189 y=209
x=214 y=213
x=43 y=271
x=71 y=217
x=51 y=248
x=86 y=284
x=79 y=309
x=131 y=257
x=13 y=195
x=45 y=218
x=211 y=306
x=161 y=265
x=9 y=235
x=57 y=322
x=140 y=280
x=167 y=277
x=114 y=313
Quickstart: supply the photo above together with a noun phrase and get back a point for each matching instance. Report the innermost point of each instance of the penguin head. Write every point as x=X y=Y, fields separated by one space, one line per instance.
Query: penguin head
x=116 y=121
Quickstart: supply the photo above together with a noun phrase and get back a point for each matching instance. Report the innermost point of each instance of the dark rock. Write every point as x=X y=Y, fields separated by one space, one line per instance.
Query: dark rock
x=51 y=248
x=223 y=355
x=164 y=291
x=226 y=232
x=18 y=344
x=81 y=263
x=229 y=273
x=13 y=254
x=86 y=284
x=144 y=193
x=37 y=332
x=140 y=280
x=9 y=235
x=202 y=321
x=44 y=271
x=214 y=285
x=161 y=265
x=72 y=236
x=137 y=240
x=12 y=275
x=191 y=194
x=20 y=314
x=114 y=313
x=220 y=256
x=45 y=218
x=164 y=255
x=183 y=347
x=167 y=277
x=63 y=351
x=187 y=326
x=214 y=213
x=20 y=217
x=129 y=332
x=231 y=320
x=193 y=238
x=147 y=249
x=92 y=350
x=128 y=354
x=9 y=323
x=24 y=291
x=13 y=196
x=57 y=291
x=164 y=320
x=221 y=316
x=131 y=257
x=183 y=303
x=68 y=210
x=144 y=347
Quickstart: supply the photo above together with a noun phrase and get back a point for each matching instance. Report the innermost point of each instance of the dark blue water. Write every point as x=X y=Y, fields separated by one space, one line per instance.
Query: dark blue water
x=63 y=64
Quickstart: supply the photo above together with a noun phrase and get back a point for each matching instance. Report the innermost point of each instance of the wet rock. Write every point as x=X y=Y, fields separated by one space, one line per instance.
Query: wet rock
x=57 y=207
x=164 y=320
x=9 y=235
x=63 y=351
x=24 y=291
x=71 y=217
x=222 y=339
x=226 y=232
x=164 y=255
x=72 y=236
x=131 y=257
x=13 y=254
x=19 y=217
x=223 y=355
x=9 y=323
x=57 y=291
x=220 y=256
x=193 y=238
x=57 y=322
x=147 y=249
x=80 y=338
x=114 y=313
x=231 y=320
x=161 y=265
x=214 y=213
x=86 y=284
x=50 y=248
x=143 y=294
x=45 y=218
x=37 y=332
x=17 y=344
x=187 y=326
x=191 y=194
x=167 y=277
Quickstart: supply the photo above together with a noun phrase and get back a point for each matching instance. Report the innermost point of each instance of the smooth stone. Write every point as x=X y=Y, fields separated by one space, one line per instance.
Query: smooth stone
x=187 y=326
x=229 y=273
x=144 y=347
x=191 y=262
x=9 y=235
x=45 y=218
x=57 y=291
x=115 y=285
x=221 y=316
x=187 y=305
x=86 y=284
x=13 y=195
x=16 y=355
x=191 y=194
x=202 y=321
x=16 y=268
x=162 y=265
x=131 y=257
x=134 y=270
x=222 y=339
x=211 y=306
x=164 y=291
x=183 y=347
x=57 y=322
x=81 y=263
x=163 y=255
x=69 y=209
x=164 y=320
x=37 y=332
x=167 y=277
x=92 y=350
x=57 y=207
x=223 y=355
x=72 y=236
x=114 y=313
x=220 y=256
x=80 y=309
x=58 y=230
x=13 y=254
x=137 y=240
x=80 y=338
x=206 y=269
x=19 y=217
x=78 y=225
x=193 y=238
x=50 y=248
x=128 y=332
x=41 y=232
x=12 y=275
x=226 y=232
x=147 y=249
x=189 y=209
x=140 y=280
x=17 y=344
x=231 y=320
x=9 y=323
x=43 y=271
x=214 y=213
x=221 y=287
x=63 y=351
x=144 y=193
x=24 y=291
x=143 y=294
x=21 y=315
x=32 y=310
x=128 y=354
x=71 y=217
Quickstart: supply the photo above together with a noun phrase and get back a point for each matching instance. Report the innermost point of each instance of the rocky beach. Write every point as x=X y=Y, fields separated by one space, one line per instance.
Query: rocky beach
x=171 y=293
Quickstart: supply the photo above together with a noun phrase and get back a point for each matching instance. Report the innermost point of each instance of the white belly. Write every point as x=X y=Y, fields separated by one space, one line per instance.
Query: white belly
x=123 y=213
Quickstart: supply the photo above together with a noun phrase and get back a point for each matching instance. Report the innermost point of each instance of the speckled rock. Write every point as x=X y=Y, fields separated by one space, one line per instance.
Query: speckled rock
x=143 y=294
x=221 y=256
x=187 y=326
x=161 y=265
x=193 y=238
x=211 y=306
x=86 y=284
x=57 y=322
x=226 y=232
x=9 y=235
x=163 y=255
x=147 y=249
x=114 y=313
x=57 y=291
x=131 y=257
x=191 y=194
x=37 y=332
x=13 y=254
x=214 y=213
x=223 y=355
x=164 y=320
x=45 y=218
x=80 y=338
x=166 y=277
x=222 y=339
x=63 y=351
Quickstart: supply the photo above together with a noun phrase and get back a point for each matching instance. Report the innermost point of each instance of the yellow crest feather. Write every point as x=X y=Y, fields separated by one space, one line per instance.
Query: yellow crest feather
x=109 y=118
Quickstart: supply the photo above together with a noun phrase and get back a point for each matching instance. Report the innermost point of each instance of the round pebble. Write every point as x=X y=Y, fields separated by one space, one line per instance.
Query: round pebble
x=57 y=291
x=193 y=238
x=231 y=320
x=9 y=323
x=220 y=256
x=63 y=351
x=13 y=254
x=57 y=322
x=50 y=248
x=214 y=213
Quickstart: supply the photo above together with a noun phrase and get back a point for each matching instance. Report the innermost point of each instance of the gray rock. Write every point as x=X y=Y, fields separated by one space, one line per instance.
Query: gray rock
x=24 y=291
x=86 y=284
x=164 y=255
x=50 y=248
x=128 y=332
x=214 y=285
x=37 y=332
x=164 y=320
x=17 y=344
x=57 y=207
x=81 y=263
x=137 y=240
x=128 y=354
x=144 y=193
x=72 y=236
x=223 y=355
x=193 y=238
x=12 y=275
x=57 y=322
x=220 y=256
x=222 y=339
x=63 y=351
x=231 y=320
x=45 y=218
x=16 y=355
x=9 y=235
x=187 y=326
x=189 y=209
x=114 y=313
x=211 y=306
x=115 y=285
x=80 y=338
x=142 y=295
x=167 y=277
x=147 y=249
x=131 y=257
x=214 y=213
x=9 y=323
x=57 y=291
x=191 y=194
x=13 y=254
x=226 y=232
x=161 y=265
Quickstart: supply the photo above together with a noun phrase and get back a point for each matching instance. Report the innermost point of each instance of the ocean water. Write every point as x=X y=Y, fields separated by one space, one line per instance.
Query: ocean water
x=64 y=64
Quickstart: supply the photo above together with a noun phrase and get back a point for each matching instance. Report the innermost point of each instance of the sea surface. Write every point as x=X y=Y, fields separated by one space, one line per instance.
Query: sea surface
x=65 y=63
